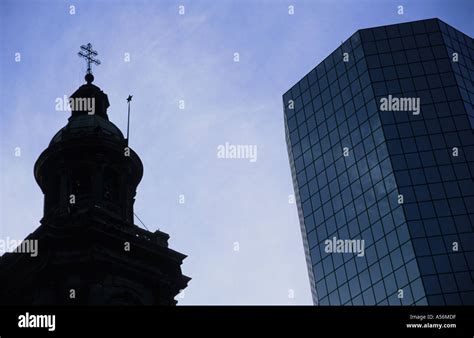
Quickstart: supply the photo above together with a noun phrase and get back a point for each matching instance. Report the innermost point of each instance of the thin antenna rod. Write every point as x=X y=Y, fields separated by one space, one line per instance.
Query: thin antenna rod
x=141 y=221
x=129 y=99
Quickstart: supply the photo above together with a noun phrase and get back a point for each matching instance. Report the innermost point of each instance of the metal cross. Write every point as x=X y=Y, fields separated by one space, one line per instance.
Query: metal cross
x=88 y=53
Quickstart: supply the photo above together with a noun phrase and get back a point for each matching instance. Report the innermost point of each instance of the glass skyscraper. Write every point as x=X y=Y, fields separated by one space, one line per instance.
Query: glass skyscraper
x=381 y=148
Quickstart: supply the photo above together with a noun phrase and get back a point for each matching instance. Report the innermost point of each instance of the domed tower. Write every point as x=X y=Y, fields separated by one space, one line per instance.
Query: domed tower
x=88 y=249
x=88 y=166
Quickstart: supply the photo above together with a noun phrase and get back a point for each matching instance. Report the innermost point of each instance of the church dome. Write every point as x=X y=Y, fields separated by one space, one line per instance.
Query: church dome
x=88 y=115
x=81 y=126
x=90 y=160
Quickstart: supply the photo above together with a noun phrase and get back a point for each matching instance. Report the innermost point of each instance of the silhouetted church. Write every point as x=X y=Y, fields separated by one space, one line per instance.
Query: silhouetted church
x=89 y=250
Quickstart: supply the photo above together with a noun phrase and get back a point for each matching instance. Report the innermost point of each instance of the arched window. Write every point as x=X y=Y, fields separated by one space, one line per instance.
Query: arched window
x=81 y=182
x=53 y=190
x=111 y=185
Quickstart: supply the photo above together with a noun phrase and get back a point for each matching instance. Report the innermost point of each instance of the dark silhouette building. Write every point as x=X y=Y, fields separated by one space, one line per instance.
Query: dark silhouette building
x=89 y=250
x=381 y=147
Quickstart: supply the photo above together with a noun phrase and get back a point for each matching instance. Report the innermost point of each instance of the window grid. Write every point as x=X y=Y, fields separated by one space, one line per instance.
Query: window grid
x=336 y=107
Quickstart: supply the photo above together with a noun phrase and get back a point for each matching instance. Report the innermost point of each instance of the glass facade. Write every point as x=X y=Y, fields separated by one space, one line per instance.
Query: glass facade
x=381 y=147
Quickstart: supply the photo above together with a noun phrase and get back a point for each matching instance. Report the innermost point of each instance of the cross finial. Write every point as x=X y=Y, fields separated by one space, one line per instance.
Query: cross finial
x=88 y=53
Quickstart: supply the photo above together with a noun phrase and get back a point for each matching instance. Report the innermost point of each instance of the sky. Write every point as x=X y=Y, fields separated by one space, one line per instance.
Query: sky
x=237 y=224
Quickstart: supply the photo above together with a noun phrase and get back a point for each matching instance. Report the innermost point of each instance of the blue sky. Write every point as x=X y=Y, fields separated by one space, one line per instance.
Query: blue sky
x=187 y=57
